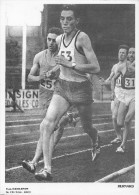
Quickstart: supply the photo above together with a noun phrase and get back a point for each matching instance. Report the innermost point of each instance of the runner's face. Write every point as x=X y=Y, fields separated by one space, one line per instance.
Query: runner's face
x=122 y=54
x=131 y=54
x=51 y=42
x=68 y=21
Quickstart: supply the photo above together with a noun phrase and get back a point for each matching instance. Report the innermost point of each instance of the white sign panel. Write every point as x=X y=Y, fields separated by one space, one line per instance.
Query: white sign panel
x=26 y=99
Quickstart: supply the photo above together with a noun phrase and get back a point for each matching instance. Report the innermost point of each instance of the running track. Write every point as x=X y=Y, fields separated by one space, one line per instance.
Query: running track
x=72 y=157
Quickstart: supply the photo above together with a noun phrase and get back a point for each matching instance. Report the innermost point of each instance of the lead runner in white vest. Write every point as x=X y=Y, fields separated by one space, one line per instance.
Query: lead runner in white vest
x=76 y=59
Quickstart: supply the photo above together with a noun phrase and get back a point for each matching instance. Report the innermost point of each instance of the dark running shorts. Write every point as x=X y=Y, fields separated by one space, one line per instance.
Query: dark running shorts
x=74 y=92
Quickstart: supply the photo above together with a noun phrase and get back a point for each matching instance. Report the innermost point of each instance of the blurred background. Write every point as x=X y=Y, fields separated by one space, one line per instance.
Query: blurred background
x=108 y=26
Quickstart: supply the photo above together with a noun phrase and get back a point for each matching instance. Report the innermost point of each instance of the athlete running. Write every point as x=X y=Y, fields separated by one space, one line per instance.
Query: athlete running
x=76 y=58
x=122 y=57
x=44 y=62
x=126 y=110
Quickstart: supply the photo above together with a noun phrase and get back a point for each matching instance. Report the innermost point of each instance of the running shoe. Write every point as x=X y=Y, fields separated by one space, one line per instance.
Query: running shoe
x=120 y=149
x=96 y=149
x=29 y=166
x=116 y=141
x=43 y=175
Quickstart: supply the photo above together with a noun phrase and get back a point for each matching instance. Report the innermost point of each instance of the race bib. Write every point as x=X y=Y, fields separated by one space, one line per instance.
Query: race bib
x=67 y=55
x=118 y=81
x=48 y=84
x=130 y=82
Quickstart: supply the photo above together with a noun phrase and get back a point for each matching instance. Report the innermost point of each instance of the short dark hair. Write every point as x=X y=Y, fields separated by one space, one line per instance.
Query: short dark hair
x=55 y=30
x=72 y=7
x=123 y=47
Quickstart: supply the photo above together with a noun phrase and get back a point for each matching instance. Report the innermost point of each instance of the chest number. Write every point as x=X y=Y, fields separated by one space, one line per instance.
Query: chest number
x=67 y=55
x=48 y=84
x=118 y=81
x=129 y=82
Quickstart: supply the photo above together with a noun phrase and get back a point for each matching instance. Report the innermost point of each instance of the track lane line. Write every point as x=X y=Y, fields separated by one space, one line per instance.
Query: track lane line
x=66 y=154
x=26 y=125
x=66 y=137
x=66 y=128
x=25 y=120
x=17 y=126
x=70 y=136
x=22 y=125
x=99 y=115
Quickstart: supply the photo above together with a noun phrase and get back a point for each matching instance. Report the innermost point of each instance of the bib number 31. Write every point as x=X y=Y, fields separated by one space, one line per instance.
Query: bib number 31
x=129 y=82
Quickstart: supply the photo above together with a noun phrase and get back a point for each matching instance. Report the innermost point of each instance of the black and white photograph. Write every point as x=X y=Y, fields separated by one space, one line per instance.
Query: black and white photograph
x=67 y=97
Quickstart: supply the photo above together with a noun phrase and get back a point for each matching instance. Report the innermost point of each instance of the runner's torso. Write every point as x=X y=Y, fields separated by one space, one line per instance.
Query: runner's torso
x=114 y=69
x=71 y=53
x=127 y=79
x=46 y=65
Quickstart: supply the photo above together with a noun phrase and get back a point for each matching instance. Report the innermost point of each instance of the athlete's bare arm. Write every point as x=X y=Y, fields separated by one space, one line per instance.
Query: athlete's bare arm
x=32 y=77
x=33 y=71
x=53 y=73
x=84 y=44
x=58 y=40
x=110 y=76
x=108 y=80
x=35 y=68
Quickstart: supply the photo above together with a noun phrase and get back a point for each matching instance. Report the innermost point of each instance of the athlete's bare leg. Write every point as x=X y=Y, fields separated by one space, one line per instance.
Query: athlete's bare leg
x=70 y=118
x=127 y=123
x=85 y=113
x=122 y=110
x=57 y=108
x=114 y=109
x=39 y=151
x=54 y=138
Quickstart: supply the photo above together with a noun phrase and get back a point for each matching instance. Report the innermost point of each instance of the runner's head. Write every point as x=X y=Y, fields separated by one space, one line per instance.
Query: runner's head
x=131 y=54
x=51 y=38
x=69 y=18
x=122 y=52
